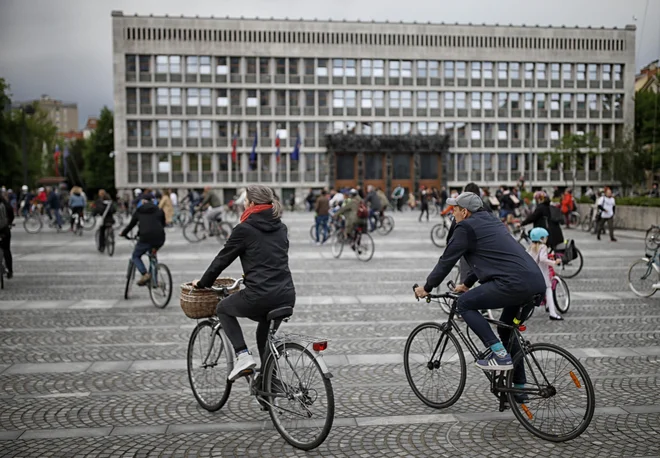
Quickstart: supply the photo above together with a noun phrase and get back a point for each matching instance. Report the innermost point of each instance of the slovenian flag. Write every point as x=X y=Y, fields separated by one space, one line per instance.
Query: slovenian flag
x=234 y=155
x=277 y=148
x=253 y=154
x=295 y=155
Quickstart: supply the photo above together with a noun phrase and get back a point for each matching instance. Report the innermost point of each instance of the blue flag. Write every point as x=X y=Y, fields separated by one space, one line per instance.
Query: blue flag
x=66 y=158
x=253 y=154
x=295 y=154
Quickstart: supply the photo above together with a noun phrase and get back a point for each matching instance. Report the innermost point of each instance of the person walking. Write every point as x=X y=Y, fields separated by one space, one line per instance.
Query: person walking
x=397 y=196
x=322 y=208
x=6 y=220
x=567 y=206
x=165 y=204
x=606 y=206
x=424 y=203
x=105 y=208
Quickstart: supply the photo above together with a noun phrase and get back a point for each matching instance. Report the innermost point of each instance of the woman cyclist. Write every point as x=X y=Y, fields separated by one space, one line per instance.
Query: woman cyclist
x=77 y=203
x=260 y=240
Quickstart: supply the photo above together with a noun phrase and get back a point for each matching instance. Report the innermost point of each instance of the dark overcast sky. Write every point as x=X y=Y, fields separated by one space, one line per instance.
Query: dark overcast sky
x=64 y=48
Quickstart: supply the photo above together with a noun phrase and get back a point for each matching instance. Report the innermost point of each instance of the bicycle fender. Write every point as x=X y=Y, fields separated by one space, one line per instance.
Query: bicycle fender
x=321 y=362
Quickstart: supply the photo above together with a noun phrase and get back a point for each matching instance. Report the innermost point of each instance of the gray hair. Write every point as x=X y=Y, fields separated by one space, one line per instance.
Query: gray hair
x=260 y=194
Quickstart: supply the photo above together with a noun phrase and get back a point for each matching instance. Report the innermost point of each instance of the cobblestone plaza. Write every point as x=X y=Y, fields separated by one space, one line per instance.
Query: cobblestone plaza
x=85 y=373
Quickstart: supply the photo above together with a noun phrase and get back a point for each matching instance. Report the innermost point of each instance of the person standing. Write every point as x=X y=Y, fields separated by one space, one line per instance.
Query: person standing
x=606 y=206
x=54 y=205
x=443 y=197
x=6 y=220
x=165 y=204
x=310 y=200
x=424 y=203
x=567 y=206
x=322 y=208
x=397 y=196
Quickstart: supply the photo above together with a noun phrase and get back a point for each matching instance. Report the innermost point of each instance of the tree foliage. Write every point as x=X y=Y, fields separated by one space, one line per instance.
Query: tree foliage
x=99 y=170
x=573 y=153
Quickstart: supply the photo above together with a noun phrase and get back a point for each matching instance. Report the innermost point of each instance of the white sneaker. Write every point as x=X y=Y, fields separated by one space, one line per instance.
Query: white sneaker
x=243 y=362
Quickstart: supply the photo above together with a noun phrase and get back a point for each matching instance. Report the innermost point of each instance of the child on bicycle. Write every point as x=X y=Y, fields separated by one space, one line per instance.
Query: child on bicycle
x=539 y=252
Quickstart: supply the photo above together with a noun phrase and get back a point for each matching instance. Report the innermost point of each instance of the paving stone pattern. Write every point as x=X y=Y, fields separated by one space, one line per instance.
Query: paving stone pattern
x=85 y=373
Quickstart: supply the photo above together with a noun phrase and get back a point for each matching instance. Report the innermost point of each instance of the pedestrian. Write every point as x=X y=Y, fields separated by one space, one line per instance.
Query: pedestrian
x=309 y=200
x=105 y=208
x=165 y=204
x=6 y=220
x=443 y=197
x=397 y=196
x=424 y=203
x=606 y=206
x=322 y=208
x=567 y=206
x=54 y=205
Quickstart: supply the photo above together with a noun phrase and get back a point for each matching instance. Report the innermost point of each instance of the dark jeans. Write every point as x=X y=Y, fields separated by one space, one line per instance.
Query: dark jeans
x=234 y=306
x=5 y=244
x=373 y=219
x=425 y=208
x=322 y=223
x=610 y=226
x=140 y=249
x=102 y=231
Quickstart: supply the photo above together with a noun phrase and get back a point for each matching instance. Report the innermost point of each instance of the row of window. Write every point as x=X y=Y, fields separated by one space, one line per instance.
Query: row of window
x=202 y=97
x=457 y=130
x=518 y=162
x=377 y=68
x=370 y=39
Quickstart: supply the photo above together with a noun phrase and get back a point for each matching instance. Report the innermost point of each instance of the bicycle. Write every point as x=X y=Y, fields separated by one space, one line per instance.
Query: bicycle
x=643 y=274
x=332 y=228
x=439 y=233
x=652 y=237
x=77 y=224
x=293 y=384
x=109 y=239
x=560 y=294
x=160 y=283
x=537 y=406
x=383 y=224
x=195 y=231
x=361 y=243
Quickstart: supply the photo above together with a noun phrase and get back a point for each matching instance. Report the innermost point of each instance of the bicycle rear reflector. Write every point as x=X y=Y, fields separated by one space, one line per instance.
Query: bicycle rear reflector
x=575 y=379
x=522 y=328
x=320 y=346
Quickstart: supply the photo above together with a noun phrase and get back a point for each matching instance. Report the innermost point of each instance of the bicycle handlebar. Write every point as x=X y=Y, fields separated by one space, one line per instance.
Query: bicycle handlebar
x=448 y=295
x=224 y=289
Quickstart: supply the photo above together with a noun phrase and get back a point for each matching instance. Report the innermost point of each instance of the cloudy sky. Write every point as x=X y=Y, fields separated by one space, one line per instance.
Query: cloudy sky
x=63 y=47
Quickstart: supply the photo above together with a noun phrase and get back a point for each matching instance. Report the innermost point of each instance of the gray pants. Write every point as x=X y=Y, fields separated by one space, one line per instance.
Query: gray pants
x=610 y=226
x=211 y=214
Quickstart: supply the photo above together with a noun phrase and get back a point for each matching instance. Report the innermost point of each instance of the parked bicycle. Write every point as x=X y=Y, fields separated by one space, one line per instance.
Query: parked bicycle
x=557 y=402
x=293 y=384
x=160 y=283
x=439 y=232
x=360 y=242
x=195 y=231
x=644 y=274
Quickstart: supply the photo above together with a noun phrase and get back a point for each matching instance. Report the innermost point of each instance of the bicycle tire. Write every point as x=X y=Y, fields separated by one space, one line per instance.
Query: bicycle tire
x=439 y=234
x=574 y=219
x=425 y=363
x=130 y=276
x=575 y=381
x=338 y=241
x=386 y=225
x=119 y=221
x=561 y=272
x=224 y=231
x=563 y=297
x=193 y=230
x=652 y=238
x=312 y=232
x=160 y=296
x=89 y=222
x=365 y=247
x=300 y=396
x=220 y=382
x=646 y=272
x=110 y=241
x=33 y=224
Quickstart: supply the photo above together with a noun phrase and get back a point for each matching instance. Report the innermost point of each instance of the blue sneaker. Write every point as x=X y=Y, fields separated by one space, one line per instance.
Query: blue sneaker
x=495 y=363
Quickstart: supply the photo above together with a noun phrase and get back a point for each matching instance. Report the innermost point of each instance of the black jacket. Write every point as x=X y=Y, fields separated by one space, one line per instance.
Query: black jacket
x=151 y=224
x=374 y=201
x=493 y=255
x=263 y=246
x=540 y=217
x=10 y=216
x=100 y=207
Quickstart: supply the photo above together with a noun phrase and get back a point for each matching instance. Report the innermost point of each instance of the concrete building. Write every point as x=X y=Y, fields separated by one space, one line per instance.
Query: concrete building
x=63 y=114
x=648 y=78
x=185 y=88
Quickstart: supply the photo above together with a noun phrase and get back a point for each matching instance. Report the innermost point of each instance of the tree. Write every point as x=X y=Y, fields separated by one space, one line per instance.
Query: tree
x=572 y=154
x=625 y=160
x=99 y=172
x=76 y=162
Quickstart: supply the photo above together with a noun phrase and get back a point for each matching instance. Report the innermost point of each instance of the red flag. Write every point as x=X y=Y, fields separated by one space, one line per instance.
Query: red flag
x=234 y=156
x=277 y=150
x=56 y=157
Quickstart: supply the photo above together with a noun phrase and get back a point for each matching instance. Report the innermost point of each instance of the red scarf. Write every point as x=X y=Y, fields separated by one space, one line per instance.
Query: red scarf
x=255 y=209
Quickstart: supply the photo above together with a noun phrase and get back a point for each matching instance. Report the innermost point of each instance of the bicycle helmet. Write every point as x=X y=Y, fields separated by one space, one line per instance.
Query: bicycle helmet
x=537 y=234
x=137 y=192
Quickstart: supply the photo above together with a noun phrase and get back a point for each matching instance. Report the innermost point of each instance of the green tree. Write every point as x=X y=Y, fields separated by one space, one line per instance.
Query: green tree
x=625 y=160
x=572 y=154
x=647 y=131
x=76 y=162
x=99 y=166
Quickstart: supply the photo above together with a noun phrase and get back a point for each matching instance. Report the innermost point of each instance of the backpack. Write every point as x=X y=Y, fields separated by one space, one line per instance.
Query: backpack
x=556 y=215
x=4 y=221
x=570 y=251
x=362 y=211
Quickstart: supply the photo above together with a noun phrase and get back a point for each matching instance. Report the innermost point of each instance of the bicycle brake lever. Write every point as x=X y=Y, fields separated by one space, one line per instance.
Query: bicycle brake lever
x=414 y=288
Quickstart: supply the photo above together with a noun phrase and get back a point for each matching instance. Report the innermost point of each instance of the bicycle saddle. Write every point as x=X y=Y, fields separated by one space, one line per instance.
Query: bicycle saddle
x=279 y=313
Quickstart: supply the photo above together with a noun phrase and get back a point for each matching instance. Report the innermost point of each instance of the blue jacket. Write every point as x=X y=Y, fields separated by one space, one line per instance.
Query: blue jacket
x=76 y=200
x=493 y=255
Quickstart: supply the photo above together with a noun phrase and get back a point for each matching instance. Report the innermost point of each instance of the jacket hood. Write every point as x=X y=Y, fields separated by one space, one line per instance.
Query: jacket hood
x=264 y=221
x=147 y=208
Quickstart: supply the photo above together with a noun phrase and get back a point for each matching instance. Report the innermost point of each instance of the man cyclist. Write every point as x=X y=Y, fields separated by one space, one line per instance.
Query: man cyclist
x=351 y=210
x=509 y=277
x=105 y=208
x=151 y=233
x=375 y=205
x=214 y=206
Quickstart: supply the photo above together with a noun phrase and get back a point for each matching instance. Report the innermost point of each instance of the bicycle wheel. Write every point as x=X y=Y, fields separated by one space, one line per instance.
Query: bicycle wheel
x=562 y=295
x=224 y=231
x=574 y=219
x=208 y=367
x=434 y=357
x=652 y=238
x=386 y=225
x=130 y=276
x=304 y=414
x=364 y=247
x=89 y=221
x=110 y=241
x=586 y=224
x=570 y=269
x=312 y=232
x=33 y=224
x=564 y=401
x=642 y=275
x=160 y=286
x=338 y=241
x=194 y=231
x=439 y=234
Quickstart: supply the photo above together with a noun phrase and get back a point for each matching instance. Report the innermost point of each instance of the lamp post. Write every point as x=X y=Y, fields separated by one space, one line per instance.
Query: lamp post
x=26 y=110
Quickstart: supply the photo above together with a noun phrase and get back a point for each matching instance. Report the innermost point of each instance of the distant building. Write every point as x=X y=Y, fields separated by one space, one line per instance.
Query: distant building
x=90 y=126
x=648 y=78
x=63 y=114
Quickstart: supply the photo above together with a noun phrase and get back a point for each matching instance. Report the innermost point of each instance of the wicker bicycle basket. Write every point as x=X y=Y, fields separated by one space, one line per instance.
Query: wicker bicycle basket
x=201 y=303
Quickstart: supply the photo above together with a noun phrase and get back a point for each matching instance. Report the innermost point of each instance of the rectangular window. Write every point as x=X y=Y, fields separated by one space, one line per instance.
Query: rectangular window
x=540 y=71
x=460 y=100
x=222 y=100
x=502 y=131
x=514 y=69
x=322 y=67
x=593 y=72
x=475 y=159
x=193 y=129
x=309 y=67
x=488 y=70
x=338 y=99
x=475 y=133
x=529 y=100
x=555 y=71
x=488 y=100
x=163 y=129
x=434 y=66
x=502 y=99
x=581 y=101
x=529 y=71
x=394 y=128
x=280 y=66
x=373 y=167
x=433 y=128
x=592 y=99
x=567 y=71
x=422 y=128
x=618 y=70
x=449 y=69
x=251 y=65
x=502 y=72
x=406 y=69
x=566 y=101
x=350 y=67
x=405 y=128
x=175 y=97
x=130 y=63
x=205 y=65
x=395 y=98
x=406 y=99
x=607 y=72
x=175 y=64
x=581 y=72
x=540 y=101
x=337 y=67
x=476 y=70
x=476 y=100
x=366 y=99
x=379 y=68
x=421 y=69
x=394 y=68
x=461 y=69
x=176 y=128
x=206 y=128
x=161 y=64
x=162 y=96
x=192 y=65
x=401 y=166
x=449 y=100
x=421 y=99
x=502 y=162
x=350 y=99
x=193 y=98
x=554 y=101
x=365 y=68
x=293 y=66
x=205 y=97
x=379 y=99
x=345 y=167
x=378 y=128
x=434 y=99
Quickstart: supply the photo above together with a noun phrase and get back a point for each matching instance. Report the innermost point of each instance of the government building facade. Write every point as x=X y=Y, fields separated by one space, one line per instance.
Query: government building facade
x=210 y=102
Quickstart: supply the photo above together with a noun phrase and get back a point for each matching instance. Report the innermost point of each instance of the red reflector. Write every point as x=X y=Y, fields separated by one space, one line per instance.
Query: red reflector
x=320 y=346
x=522 y=328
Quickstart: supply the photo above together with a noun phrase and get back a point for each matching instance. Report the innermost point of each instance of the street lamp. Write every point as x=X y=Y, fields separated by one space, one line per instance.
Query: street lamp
x=26 y=110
